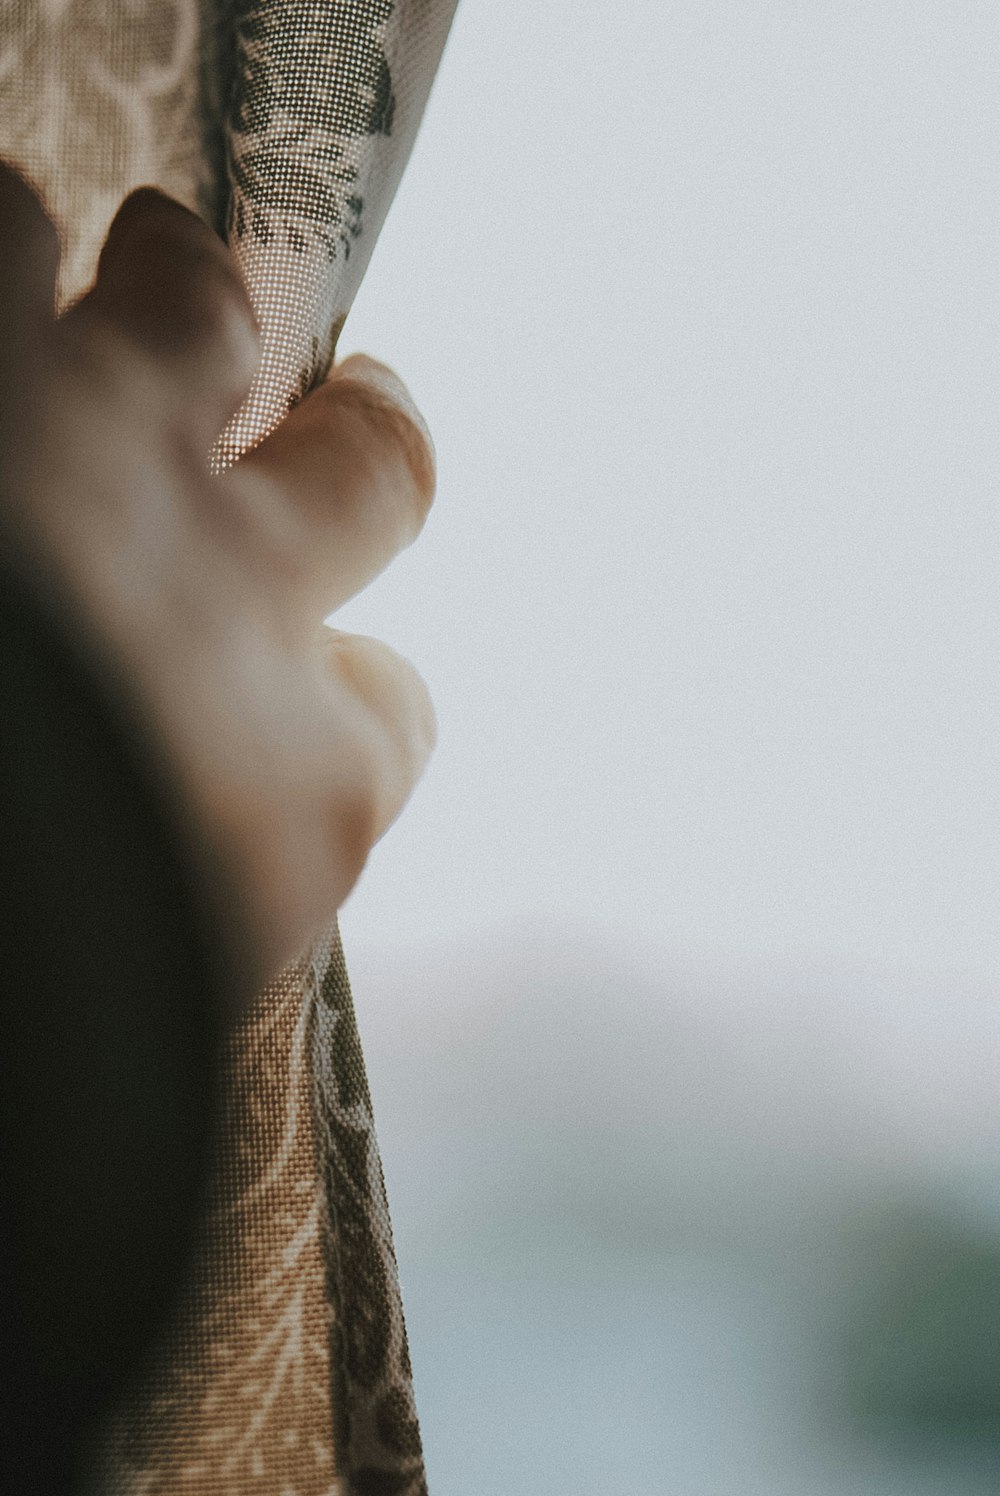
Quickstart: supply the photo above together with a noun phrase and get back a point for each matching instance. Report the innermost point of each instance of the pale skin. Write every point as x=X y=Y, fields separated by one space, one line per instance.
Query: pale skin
x=289 y=747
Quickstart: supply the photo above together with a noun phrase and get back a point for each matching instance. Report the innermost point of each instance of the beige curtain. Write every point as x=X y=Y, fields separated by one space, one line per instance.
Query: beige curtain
x=286 y=124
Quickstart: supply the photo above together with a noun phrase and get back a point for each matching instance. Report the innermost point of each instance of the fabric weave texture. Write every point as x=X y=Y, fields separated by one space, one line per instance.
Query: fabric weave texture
x=286 y=124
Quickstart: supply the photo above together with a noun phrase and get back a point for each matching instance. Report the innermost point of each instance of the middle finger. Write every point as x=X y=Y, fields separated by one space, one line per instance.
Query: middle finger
x=168 y=281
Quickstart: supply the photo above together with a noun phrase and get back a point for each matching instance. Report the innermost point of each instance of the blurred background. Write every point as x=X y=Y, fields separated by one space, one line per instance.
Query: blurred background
x=679 y=977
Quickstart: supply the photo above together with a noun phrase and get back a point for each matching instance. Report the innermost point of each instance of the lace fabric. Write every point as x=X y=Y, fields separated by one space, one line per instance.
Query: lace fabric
x=287 y=125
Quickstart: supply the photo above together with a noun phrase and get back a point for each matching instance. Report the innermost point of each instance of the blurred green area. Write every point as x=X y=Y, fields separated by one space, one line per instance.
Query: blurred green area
x=917 y=1339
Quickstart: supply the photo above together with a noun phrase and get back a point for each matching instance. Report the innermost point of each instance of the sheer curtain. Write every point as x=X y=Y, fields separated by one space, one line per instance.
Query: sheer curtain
x=286 y=124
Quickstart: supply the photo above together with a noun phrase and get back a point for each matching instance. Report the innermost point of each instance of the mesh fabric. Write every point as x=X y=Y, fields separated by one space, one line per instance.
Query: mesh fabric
x=287 y=125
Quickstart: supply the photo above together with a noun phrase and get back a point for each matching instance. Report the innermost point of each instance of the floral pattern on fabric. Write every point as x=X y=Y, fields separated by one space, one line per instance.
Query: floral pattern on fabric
x=286 y=124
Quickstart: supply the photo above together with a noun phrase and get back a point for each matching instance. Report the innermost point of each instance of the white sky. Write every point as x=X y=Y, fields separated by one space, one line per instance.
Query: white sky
x=700 y=302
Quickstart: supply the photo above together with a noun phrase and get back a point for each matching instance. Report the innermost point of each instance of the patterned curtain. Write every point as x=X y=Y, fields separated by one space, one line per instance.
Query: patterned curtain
x=287 y=125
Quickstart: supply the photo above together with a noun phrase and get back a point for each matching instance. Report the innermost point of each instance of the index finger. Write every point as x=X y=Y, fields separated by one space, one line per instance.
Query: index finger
x=354 y=470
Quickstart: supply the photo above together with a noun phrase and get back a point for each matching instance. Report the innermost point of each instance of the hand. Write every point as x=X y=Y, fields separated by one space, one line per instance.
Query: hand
x=290 y=747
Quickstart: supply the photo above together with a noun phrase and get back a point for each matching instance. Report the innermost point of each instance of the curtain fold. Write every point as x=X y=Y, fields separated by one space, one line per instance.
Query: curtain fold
x=287 y=125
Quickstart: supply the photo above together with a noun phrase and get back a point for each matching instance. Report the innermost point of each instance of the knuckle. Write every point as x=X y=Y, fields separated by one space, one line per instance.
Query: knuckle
x=100 y=363
x=225 y=318
x=176 y=282
x=212 y=312
x=27 y=223
x=23 y=205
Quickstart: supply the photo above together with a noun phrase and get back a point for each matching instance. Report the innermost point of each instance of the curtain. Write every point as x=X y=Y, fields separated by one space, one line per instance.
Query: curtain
x=286 y=124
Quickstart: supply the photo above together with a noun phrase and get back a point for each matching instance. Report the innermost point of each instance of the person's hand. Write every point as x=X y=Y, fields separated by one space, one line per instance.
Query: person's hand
x=290 y=747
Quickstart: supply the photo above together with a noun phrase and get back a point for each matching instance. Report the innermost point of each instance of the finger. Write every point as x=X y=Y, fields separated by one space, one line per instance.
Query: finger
x=396 y=725
x=353 y=466
x=378 y=733
x=167 y=281
x=29 y=264
x=321 y=770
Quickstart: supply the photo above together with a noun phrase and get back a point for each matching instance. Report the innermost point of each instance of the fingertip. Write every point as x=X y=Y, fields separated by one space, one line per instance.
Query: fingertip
x=391 y=392
x=394 y=693
x=170 y=281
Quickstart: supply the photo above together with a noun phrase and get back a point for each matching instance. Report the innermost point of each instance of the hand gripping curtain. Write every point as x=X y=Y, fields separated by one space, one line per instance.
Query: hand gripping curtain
x=287 y=125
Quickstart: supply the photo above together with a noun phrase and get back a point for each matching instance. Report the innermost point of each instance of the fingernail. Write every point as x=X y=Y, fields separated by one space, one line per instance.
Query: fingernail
x=388 y=383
